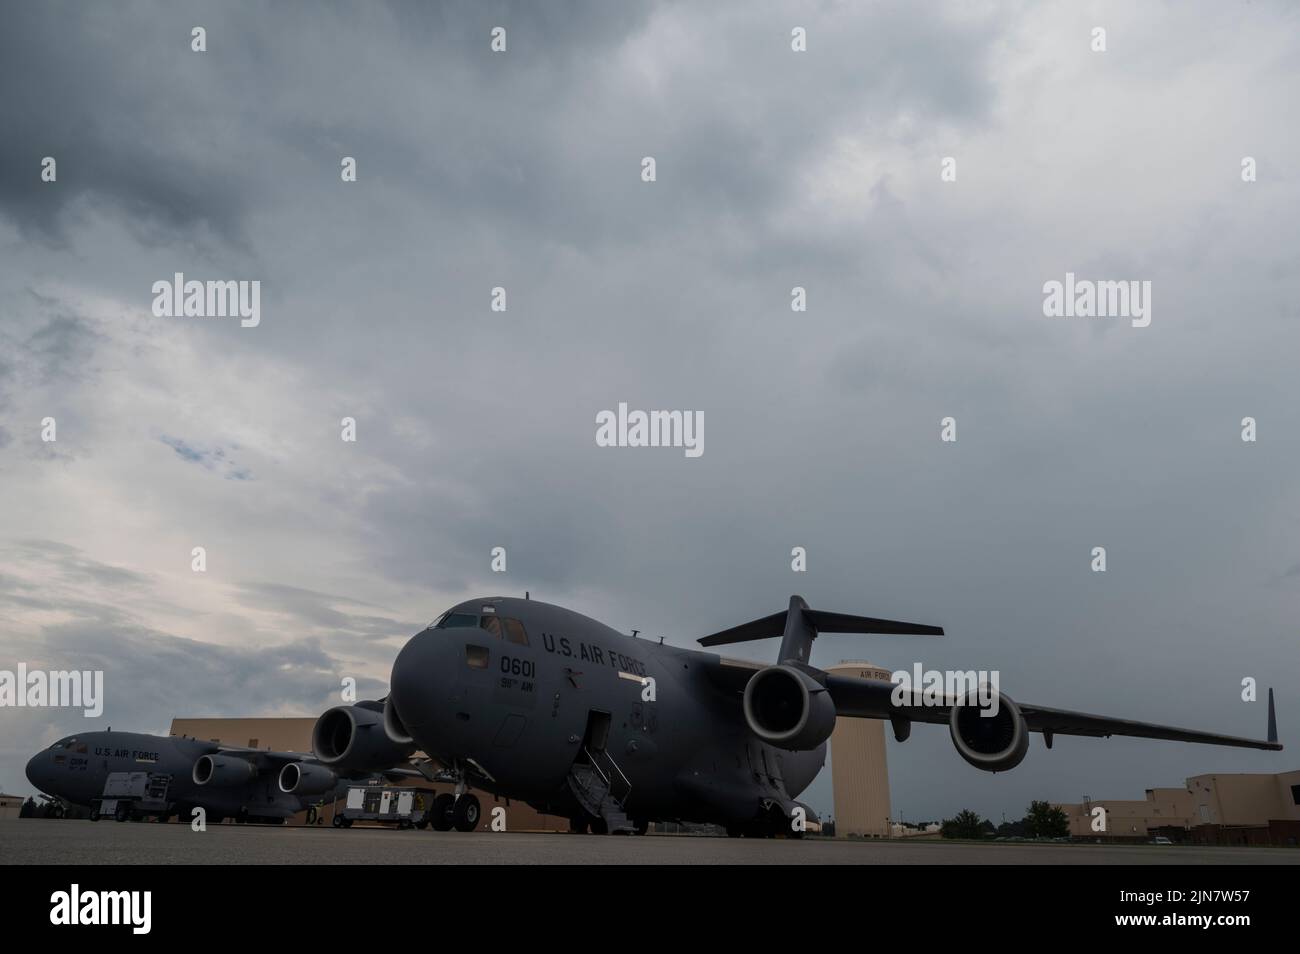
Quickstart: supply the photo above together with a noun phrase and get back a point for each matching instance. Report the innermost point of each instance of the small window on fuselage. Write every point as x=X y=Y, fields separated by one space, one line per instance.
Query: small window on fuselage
x=491 y=624
x=515 y=631
x=454 y=620
x=476 y=657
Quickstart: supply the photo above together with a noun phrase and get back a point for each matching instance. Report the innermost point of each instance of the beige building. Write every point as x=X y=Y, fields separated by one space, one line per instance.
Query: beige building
x=859 y=774
x=1132 y=819
x=1244 y=799
x=1212 y=809
x=294 y=735
x=11 y=805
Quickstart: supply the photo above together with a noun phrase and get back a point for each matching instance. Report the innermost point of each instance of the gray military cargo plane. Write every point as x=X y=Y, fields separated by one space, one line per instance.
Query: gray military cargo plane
x=226 y=781
x=538 y=703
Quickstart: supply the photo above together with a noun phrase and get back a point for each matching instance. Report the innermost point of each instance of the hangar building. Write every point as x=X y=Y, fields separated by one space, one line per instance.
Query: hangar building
x=1215 y=809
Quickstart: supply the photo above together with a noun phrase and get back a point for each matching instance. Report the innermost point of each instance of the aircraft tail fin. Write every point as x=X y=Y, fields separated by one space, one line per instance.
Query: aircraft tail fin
x=1272 y=718
x=800 y=624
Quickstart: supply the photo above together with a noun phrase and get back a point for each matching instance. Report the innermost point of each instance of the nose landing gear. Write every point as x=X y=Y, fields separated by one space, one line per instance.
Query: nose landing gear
x=465 y=813
x=460 y=810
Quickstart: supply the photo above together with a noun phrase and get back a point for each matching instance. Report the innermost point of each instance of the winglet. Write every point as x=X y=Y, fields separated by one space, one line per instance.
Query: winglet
x=1272 y=718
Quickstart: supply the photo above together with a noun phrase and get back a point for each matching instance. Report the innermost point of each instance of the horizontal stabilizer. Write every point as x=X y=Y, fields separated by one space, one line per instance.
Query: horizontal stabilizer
x=800 y=624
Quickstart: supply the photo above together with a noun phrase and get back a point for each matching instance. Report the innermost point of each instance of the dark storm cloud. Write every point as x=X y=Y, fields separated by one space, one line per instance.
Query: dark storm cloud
x=155 y=134
x=77 y=85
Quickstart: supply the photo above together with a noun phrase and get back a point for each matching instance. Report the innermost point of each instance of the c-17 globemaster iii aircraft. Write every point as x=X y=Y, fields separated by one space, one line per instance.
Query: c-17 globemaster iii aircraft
x=225 y=781
x=538 y=703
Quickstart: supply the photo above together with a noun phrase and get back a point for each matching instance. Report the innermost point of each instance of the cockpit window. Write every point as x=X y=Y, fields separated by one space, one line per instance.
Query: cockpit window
x=491 y=624
x=515 y=632
x=453 y=620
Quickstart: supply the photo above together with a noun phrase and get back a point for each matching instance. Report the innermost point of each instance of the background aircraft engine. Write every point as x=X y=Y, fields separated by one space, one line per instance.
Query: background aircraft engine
x=352 y=739
x=303 y=778
x=993 y=743
x=220 y=770
x=788 y=708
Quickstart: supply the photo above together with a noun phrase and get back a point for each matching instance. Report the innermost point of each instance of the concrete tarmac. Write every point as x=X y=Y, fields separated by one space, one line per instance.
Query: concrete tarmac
x=76 y=842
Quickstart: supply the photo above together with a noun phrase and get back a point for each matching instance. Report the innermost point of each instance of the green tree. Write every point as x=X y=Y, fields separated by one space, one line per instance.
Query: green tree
x=965 y=825
x=1046 y=821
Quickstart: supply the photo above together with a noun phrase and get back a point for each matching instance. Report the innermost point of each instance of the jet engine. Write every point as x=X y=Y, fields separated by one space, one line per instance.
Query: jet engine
x=304 y=778
x=993 y=743
x=220 y=770
x=788 y=708
x=352 y=739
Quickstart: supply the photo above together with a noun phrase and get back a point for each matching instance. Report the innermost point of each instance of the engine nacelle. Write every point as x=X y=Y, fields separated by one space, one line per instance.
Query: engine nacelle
x=221 y=770
x=994 y=743
x=788 y=708
x=304 y=778
x=352 y=739
x=393 y=725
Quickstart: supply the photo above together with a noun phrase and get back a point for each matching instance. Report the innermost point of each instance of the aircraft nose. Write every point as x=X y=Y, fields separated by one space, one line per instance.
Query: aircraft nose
x=38 y=771
x=414 y=685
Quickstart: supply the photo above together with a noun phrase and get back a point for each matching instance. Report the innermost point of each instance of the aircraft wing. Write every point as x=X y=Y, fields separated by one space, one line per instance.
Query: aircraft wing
x=266 y=759
x=1064 y=722
x=873 y=699
x=729 y=675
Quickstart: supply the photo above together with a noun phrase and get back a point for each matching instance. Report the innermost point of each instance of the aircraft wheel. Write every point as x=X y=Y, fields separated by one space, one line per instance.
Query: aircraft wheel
x=465 y=813
x=641 y=827
x=94 y=814
x=599 y=827
x=122 y=812
x=338 y=821
x=441 y=820
x=422 y=824
x=578 y=826
x=347 y=823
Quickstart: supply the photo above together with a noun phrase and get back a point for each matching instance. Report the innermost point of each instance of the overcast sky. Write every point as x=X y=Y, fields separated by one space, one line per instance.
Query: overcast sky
x=475 y=428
